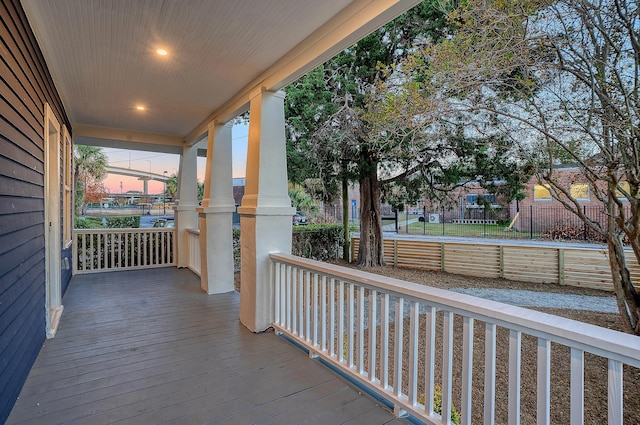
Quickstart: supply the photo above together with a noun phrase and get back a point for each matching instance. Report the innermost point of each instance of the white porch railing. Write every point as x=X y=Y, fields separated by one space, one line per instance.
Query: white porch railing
x=347 y=318
x=193 y=249
x=102 y=250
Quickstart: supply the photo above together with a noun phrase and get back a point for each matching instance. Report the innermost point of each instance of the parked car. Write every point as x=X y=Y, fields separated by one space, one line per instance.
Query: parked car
x=299 y=220
x=169 y=223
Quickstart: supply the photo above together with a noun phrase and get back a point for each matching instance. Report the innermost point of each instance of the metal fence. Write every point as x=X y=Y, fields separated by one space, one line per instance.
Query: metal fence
x=529 y=222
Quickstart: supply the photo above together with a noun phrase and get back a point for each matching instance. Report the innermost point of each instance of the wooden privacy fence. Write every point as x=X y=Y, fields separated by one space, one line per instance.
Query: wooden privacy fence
x=583 y=267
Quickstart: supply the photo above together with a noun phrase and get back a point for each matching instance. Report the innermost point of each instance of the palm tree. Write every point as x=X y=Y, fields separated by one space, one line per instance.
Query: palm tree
x=90 y=165
x=172 y=186
x=301 y=200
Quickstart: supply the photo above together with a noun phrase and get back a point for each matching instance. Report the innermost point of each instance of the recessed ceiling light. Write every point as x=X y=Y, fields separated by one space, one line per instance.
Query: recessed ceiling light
x=162 y=52
x=140 y=108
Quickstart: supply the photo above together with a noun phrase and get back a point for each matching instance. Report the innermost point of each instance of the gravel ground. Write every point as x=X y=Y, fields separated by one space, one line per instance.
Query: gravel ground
x=525 y=298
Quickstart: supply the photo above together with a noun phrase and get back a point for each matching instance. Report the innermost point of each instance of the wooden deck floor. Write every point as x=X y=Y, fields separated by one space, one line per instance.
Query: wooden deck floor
x=149 y=347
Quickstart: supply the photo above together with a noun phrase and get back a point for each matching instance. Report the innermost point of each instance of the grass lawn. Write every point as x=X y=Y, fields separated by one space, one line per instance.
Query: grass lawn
x=470 y=230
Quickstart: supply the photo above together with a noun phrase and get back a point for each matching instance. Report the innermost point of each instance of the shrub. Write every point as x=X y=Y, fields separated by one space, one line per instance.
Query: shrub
x=320 y=242
x=317 y=241
x=88 y=223
x=123 y=222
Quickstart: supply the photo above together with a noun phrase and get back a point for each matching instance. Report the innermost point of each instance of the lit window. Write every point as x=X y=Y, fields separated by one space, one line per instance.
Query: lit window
x=580 y=191
x=624 y=187
x=541 y=192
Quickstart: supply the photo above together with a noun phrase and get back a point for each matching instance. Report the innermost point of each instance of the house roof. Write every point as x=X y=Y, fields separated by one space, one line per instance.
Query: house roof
x=103 y=58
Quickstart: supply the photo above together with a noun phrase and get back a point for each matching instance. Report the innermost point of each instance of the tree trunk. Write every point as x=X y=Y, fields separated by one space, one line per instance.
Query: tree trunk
x=346 y=245
x=370 y=252
x=626 y=295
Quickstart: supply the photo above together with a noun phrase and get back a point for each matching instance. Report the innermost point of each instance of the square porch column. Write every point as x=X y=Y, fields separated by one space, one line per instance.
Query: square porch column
x=185 y=213
x=265 y=214
x=216 y=233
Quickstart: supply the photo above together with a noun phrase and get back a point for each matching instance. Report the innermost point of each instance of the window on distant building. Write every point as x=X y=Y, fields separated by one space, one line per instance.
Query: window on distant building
x=624 y=186
x=481 y=199
x=580 y=191
x=541 y=192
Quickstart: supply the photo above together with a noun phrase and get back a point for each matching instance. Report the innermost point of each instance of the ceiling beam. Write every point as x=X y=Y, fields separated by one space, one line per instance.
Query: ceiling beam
x=126 y=139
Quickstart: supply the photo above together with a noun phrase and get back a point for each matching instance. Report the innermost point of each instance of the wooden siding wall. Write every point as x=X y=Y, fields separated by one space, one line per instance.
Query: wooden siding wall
x=25 y=86
x=583 y=267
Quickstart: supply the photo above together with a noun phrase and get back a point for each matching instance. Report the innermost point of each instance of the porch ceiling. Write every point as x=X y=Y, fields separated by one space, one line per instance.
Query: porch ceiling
x=102 y=56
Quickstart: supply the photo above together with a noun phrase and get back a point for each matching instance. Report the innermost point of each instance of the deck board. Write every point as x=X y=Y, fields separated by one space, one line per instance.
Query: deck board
x=149 y=347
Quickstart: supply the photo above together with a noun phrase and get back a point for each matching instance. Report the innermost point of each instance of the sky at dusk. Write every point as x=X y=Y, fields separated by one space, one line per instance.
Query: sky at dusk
x=157 y=163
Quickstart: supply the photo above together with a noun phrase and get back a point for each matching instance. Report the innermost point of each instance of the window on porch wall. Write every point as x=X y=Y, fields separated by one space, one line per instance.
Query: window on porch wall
x=67 y=183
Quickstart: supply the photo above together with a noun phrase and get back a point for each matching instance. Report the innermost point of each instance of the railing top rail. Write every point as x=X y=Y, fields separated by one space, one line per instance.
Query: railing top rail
x=124 y=230
x=601 y=341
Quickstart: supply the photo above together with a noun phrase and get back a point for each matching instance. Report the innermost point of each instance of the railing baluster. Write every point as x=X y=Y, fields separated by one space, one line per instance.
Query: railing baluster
x=544 y=382
x=332 y=317
x=307 y=306
x=323 y=314
x=157 y=245
x=282 y=272
x=295 y=277
x=447 y=365
x=113 y=250
x=97 y=257
x=515 y=343
x=340 y=331
x=314 y=310
x=384 y=340
x=84 y=253
x=397 y=347
x=124 y=252
x=351 y=323
x=430 y=359
x=277 y=283
x=360 y=330
x=414 y=326
x=577 y=386
x=489 y=374
x=145 y=247
x=289 y=307
x=372 y=323
x=163 y=248
x=615 y=393
x=467 y=369
x=303 y=290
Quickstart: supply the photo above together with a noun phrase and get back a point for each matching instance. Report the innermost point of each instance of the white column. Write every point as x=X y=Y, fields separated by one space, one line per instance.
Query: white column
x=265 y=214
x=216 y=237
x=185 y=213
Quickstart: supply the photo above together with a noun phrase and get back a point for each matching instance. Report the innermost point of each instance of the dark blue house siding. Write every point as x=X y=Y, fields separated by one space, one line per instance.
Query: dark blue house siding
x=25 y=87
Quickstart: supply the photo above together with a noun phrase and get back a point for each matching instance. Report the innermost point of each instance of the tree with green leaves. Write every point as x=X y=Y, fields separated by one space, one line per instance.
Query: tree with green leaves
x=354 y=118
x=562 y=79
x=324 y=111
x=171 y=186
x=90 y=165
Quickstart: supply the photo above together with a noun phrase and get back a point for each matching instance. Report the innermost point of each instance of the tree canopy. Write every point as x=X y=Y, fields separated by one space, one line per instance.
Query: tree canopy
x=352 y=121
x=560 y=79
